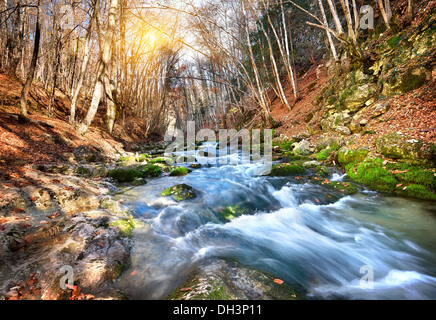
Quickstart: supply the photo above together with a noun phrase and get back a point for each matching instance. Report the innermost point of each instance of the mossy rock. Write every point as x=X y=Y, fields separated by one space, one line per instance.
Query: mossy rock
x=125 y=174
x=347 y=155
x=180 y=192
x=179 y=171
x=409 y=80
x=139 y=182
x=150 y=170
x=287 y=169
x=398 y=146
x=346 y=187
x=324 y=154
x=83 y=171
x=162 y=160
x=372 y=173
x=228 y=280
x=125 y=226
x=233 y=211
x=100 y=172
x=195 y=166
x=419 y=191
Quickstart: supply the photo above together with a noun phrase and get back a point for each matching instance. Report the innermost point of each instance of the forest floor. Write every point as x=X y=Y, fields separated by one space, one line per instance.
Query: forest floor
x=30 y=143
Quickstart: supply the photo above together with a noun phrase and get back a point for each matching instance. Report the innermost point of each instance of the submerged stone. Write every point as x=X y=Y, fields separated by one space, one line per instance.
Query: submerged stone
x=180 y=192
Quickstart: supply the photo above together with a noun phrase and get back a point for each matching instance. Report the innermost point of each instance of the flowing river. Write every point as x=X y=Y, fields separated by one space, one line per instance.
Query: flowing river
x=304 y=234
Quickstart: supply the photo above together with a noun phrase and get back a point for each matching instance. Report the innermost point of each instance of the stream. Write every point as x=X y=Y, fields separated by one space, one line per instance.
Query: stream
x=307 y=235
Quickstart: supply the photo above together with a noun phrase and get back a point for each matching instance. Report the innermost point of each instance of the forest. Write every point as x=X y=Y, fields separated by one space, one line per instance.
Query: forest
x=95 y=205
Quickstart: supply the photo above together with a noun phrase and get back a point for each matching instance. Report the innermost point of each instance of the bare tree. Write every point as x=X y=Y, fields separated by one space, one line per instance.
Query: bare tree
x=31 y=72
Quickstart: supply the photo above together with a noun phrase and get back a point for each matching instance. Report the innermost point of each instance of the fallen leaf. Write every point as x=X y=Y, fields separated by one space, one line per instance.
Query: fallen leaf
x=134 y=273
x=317 y=200
x=278 y=281
x=399 y=185
x=100 y=244
x=185 y=289
x=385 y=162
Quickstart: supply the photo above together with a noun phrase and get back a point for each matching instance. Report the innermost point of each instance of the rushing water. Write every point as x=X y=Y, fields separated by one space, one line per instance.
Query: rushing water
x=319 y=246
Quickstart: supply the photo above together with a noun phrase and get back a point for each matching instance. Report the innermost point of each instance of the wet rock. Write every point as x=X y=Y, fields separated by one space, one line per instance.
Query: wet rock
x=180 y=192
x=228 y=280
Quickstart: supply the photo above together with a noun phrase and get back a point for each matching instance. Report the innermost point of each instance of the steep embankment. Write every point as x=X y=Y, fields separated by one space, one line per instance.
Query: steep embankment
x=376 y=120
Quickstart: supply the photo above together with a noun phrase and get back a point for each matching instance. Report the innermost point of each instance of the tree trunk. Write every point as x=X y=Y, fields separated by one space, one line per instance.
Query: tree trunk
x=31 y=73
x=16 y=42
x=105 y=56
x=410 y=10
x=338 y=25
x=86 y=55
x=329 y=36
x=384 y=14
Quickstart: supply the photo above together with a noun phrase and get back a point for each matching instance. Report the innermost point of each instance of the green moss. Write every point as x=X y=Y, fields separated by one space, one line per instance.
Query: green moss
x=324 y=154
x=162 y=160
x=418 y=175
x=287 y=169
x=125 y=226
x=346 y=187
x=150 y=170
x=180 y=171
x=231 y=212
x=83 y=171
x=346 y=155
x=180 y=192
x=372 y=174
x=393 y=42
x=125 y=174
x=419 y=191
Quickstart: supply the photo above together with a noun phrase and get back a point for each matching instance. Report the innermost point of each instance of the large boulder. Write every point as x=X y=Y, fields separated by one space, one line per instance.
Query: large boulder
x=301 y=148
x=399 y=146
x=405 y=82
x=355 y=98
x=330 y=141
x=228 y=280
